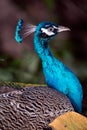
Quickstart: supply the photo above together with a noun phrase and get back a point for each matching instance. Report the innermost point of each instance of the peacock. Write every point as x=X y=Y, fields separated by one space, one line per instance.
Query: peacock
x=31 y=107
x=57 y=75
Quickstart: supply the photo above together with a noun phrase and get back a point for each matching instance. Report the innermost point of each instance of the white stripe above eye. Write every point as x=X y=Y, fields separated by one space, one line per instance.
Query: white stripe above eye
x=55 y=27
x=49 y=33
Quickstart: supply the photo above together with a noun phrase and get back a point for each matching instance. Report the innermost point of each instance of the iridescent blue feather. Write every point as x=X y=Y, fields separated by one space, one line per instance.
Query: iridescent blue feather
x=18 y=36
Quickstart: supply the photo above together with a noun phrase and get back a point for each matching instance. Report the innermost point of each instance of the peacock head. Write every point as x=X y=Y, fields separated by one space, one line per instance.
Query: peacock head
x=44 y=31
x=47 y=30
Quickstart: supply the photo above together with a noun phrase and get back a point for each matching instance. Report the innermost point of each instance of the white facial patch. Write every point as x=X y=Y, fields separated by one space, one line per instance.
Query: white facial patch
x=46 y=31
x=55 y=27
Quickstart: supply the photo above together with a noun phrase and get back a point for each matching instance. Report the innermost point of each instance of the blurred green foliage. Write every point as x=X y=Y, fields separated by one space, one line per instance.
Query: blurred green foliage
x=23 y=69
x=50 y=4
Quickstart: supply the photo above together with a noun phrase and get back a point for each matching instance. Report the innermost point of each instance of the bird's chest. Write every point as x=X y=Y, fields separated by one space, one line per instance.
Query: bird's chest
x=52 y=72
x=55 y=76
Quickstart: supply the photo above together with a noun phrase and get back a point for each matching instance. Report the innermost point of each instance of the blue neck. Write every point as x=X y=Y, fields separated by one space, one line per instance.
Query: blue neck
x=42 y=49
x=57 y=75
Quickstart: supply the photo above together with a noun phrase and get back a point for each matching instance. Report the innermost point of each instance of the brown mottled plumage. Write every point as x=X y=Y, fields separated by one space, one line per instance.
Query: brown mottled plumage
x=31 y=108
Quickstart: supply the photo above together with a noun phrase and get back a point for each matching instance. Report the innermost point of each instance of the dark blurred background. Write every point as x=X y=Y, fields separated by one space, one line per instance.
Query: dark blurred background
x=20 y=62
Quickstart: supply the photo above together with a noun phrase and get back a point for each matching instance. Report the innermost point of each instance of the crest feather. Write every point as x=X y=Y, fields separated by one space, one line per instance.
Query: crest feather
x=23 y=30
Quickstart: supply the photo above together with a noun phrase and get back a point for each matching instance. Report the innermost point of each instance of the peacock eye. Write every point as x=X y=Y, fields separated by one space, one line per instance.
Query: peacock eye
x=50 y=29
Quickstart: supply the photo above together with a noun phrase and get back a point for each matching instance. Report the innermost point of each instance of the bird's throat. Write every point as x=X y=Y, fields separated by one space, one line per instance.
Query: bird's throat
x=42 y=49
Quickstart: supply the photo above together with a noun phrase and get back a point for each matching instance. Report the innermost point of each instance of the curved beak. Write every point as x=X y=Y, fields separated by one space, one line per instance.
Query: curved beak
x=62 y=28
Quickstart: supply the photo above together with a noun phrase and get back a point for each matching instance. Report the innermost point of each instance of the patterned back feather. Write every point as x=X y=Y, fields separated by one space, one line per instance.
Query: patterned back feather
x=31 y=108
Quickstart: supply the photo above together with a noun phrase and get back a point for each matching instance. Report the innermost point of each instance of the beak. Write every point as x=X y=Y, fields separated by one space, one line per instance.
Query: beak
x=62 y=28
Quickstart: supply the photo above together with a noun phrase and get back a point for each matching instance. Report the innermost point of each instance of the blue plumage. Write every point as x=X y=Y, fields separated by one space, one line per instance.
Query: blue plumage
x=19 y=26
x=57 y=75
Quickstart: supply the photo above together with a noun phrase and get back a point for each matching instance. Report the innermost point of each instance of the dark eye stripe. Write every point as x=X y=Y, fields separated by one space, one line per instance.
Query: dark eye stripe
x=55 y=31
